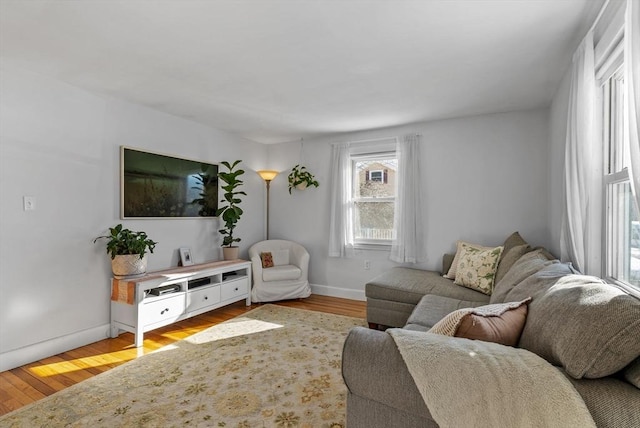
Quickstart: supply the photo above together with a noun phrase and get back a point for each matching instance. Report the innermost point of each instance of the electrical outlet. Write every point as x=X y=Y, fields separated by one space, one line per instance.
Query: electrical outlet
x=367 y=264
x=29 y=203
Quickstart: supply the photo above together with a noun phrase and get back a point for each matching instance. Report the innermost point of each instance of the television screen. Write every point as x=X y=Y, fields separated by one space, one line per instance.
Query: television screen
x=155 y=185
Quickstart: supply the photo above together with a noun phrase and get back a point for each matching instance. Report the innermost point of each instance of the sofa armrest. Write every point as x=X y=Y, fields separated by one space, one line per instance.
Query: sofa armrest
x=373 y=368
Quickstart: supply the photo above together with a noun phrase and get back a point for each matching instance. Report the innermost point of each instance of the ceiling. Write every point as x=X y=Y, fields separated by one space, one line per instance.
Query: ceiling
x=278 y=70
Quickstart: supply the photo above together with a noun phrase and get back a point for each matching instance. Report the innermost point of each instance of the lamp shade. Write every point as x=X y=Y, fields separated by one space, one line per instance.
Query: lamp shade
x=268 y=175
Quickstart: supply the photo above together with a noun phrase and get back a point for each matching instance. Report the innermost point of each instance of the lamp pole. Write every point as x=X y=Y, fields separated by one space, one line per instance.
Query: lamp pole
x=267 y=176
x=268 y=187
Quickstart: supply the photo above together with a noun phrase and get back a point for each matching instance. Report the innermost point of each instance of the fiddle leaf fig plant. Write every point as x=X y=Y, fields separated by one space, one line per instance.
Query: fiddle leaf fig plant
x=124 y=242
x=231 y=212
x=300 y=178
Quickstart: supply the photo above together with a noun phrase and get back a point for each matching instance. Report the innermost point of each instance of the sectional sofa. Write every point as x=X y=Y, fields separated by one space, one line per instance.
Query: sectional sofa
x=574 y=359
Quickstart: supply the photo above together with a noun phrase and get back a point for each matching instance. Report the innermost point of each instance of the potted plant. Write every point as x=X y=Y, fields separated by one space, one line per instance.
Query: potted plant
x=231 y=212
x=128 y=251
x=300 y=178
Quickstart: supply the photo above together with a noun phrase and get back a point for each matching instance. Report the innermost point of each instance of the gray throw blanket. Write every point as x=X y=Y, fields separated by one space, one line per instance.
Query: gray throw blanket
x=471 y=383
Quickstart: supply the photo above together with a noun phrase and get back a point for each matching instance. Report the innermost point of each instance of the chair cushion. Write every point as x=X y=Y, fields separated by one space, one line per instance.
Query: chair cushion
x=281 y=273
x=281 y=257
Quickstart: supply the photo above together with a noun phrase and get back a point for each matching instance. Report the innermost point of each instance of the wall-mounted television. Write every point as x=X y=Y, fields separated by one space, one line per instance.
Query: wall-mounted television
x=154 y=185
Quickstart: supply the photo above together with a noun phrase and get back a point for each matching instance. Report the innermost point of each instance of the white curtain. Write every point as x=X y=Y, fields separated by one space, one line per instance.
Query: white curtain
x=408 y=245
x=578 y=166
x=340 y=229
x=632 y=96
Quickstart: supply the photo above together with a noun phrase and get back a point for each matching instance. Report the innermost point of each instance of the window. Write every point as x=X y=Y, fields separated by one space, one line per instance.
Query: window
x=373 y=197
x=378 y=175
x=622 y=247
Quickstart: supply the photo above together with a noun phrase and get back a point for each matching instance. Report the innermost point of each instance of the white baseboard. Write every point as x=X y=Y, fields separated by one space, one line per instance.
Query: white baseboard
x=326 y=290
x=28 y=354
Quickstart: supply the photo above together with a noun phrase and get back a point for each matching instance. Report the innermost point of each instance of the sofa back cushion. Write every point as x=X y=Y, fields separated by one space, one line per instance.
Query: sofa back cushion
x=509 y=256
x=632 y=373
x=522 y=269
x=589 y=327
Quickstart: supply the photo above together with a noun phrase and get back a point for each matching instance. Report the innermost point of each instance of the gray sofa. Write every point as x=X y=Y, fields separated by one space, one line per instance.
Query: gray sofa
x=591 y=330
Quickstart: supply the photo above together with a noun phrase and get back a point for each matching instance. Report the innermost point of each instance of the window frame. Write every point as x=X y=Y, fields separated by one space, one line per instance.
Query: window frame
x=615 y=174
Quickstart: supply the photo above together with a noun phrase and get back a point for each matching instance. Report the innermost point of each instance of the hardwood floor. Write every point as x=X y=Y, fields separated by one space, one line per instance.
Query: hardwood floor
x=29 y=383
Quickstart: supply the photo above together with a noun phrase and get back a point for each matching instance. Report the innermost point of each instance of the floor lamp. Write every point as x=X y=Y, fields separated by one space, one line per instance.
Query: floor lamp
x=267 y=176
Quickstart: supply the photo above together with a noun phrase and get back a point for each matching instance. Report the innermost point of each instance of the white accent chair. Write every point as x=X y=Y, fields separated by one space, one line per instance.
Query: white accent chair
x=287 y=279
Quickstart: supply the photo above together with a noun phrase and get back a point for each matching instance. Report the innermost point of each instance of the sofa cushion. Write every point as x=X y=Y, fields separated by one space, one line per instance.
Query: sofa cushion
x=522 y=269
x=499 y=323
x=447 y=261
x=408 y=285
x=514 y=240
x=509 y=258
x=632 y=373
x=477 y=267
x=281 y=273
x=581 y=323
x=611 y=402
x=432 y=308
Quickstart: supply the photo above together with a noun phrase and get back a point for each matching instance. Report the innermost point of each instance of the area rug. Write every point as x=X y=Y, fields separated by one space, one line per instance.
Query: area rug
x=271 y=367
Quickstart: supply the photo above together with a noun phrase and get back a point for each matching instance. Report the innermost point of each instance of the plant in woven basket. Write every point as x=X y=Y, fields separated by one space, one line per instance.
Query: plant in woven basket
x=300 y=178
x=123 y=241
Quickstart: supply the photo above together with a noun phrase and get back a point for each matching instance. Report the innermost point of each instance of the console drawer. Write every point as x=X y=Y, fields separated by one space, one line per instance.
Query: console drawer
x=169 y=309
x=203 y=297
x=233 y=289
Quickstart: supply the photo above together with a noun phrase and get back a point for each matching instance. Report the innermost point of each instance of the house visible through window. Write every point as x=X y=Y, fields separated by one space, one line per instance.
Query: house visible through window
x=373 y=197
x=622 y=223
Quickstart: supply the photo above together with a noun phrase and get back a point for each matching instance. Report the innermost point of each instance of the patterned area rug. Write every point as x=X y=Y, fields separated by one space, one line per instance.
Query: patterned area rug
x=271 y=367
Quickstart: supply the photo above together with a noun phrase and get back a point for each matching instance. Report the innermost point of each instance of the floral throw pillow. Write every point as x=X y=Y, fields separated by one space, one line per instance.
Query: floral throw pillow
x=477 y=267
x=267 y=260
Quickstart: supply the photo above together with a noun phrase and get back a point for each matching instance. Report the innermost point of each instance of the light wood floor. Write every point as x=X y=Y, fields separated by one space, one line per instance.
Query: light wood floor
x=29 y=383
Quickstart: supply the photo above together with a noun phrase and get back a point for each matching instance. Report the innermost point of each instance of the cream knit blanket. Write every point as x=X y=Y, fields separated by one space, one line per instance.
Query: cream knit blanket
x=471 y=383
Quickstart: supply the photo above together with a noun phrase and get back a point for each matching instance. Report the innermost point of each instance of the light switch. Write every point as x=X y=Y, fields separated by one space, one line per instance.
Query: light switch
x=29 y=203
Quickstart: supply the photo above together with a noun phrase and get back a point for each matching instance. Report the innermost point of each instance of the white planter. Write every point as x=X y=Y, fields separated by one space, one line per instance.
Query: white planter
x=230 y=253
x=129 y=265
x=301 y=186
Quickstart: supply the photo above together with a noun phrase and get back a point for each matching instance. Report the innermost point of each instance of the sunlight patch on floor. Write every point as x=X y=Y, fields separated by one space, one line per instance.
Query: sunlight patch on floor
x=233 y=328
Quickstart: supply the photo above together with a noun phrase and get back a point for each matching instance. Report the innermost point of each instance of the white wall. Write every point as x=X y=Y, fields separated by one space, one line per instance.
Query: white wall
x=557 y=137
x=483 y=176
x=60 y=145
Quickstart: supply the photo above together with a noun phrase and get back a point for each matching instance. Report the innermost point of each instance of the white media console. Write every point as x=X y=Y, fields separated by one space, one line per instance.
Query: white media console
x=162 y=298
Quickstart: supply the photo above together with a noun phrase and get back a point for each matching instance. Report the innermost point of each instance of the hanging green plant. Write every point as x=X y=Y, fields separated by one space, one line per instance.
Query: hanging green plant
x=300 y=178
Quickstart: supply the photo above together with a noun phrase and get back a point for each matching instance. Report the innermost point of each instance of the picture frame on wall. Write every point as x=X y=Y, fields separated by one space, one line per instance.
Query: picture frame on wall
x=185 y=256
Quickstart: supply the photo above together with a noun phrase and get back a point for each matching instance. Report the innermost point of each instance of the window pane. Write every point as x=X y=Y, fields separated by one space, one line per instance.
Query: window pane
x=614 y=98
x=374 y=192
x=375 y=178
x=624 y=235
x=374 y=220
